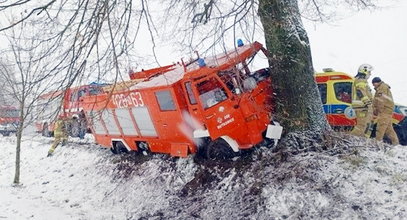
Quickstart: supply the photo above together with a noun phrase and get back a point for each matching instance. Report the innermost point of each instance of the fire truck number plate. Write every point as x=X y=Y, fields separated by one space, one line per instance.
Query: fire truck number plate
x=134 y=99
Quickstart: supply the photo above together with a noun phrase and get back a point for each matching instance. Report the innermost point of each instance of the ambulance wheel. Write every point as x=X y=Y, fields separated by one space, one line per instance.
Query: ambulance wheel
x=219 y=150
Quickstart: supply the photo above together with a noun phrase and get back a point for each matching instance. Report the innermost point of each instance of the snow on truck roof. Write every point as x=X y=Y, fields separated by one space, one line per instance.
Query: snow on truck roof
x=176 y=72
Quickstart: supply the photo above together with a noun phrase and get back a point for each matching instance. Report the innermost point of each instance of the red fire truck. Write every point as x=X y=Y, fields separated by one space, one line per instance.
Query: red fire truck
x=69 y=106
x=219 y=105
x=9 y=119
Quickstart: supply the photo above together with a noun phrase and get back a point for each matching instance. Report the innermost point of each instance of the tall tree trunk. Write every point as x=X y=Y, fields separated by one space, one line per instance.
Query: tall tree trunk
x=298 y=103
x=18 y=148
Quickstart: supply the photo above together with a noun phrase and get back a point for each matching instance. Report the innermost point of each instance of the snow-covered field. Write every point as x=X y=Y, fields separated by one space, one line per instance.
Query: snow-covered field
x=84 y=181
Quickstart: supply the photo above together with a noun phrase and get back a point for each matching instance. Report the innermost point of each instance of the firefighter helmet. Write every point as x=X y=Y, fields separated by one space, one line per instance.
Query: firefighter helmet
x=365 y=69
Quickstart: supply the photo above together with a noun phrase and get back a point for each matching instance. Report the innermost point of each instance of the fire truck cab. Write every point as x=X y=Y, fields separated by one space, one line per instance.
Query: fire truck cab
x=217 y=104
x=9 y=119
x=65 y=103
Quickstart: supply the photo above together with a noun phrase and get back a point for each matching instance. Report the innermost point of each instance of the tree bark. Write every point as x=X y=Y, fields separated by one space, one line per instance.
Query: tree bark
x=18 y=147
x=298 y=102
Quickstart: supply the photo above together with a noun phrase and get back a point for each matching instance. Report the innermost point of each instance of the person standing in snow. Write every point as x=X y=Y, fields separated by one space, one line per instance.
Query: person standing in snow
x=60 y=135
x=383 y=106
x=82 y=125
x=362 y=100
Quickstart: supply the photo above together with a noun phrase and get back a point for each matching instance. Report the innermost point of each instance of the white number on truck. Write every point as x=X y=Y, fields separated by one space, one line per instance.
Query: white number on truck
x=134 y=99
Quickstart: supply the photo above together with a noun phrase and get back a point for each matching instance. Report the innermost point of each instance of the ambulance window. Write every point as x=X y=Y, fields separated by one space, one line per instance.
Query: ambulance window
x=322 y=92
x=191 y=96
x=343 y=91
x=165 y=100
x=211 y=93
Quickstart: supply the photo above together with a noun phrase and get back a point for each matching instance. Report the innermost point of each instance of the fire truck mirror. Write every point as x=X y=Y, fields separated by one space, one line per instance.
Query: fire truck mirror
x=237 y=91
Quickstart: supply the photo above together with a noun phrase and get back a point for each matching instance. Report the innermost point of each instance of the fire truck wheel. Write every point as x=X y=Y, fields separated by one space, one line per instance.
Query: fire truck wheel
x=113 y=149
x=219 y=150
x=74 y=129
x=5 y=134
x=118 y=148
x=143 y=148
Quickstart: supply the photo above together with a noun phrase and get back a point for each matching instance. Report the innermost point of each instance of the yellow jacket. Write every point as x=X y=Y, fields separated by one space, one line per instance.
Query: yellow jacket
x=362 y=94
x=383 y=100
x=59 y=129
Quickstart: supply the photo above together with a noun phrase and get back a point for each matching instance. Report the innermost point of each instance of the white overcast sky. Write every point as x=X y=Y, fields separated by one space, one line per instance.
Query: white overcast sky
x=378 y=38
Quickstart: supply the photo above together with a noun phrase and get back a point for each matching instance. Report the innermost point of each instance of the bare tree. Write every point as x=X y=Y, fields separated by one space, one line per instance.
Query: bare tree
x=26 y=76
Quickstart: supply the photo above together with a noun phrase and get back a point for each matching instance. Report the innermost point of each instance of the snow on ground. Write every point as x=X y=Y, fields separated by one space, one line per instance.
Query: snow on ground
x=84 y=181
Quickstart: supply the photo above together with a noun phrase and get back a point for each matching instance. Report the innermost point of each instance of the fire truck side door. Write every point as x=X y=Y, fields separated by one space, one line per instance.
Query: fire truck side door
x=192 y=101
x=169 y=116
x=218 y=108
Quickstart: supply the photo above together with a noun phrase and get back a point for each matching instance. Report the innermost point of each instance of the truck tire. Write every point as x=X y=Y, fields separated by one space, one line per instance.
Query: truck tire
x=113 y=149
x=6 y=133
x=118 y=148
x=74 y=129
x=219 y=150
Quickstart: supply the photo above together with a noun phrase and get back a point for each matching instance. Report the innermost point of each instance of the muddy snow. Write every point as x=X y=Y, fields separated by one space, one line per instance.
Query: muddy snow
x=85 y=181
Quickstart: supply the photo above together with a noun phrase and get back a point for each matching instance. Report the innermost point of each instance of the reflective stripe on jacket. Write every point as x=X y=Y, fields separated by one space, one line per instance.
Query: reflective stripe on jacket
x=362 y=94
x=59 y=127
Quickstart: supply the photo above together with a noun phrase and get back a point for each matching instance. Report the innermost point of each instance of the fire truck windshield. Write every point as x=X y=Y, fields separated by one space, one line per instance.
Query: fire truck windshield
x=211 y=92
x=8 y=113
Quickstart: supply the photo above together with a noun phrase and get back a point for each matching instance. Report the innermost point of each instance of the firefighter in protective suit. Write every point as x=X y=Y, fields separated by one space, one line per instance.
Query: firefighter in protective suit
x=60 y=135
x=362 y=101
x=383 y=106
